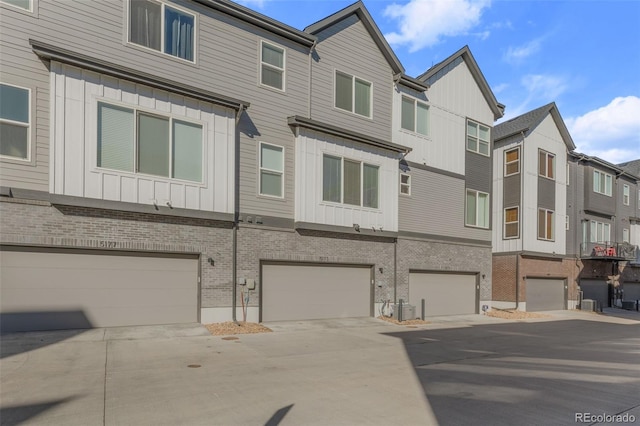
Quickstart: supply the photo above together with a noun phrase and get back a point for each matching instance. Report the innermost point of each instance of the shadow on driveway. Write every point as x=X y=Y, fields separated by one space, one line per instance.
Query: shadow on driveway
x=11 y=416
x=526 y=372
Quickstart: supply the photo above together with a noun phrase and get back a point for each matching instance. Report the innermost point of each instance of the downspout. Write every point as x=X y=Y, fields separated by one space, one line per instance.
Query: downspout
x=517 y=280
x=236 y=217
x=395 y=270
x=311 y=50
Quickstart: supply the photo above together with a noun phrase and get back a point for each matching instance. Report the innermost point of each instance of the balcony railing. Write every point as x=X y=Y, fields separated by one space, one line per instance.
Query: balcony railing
x=610 y=250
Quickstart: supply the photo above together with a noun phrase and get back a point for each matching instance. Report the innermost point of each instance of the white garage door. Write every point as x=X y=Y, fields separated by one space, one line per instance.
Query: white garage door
x=63 y=290
x=545 y=294
x=444 y=294
x=301 y=292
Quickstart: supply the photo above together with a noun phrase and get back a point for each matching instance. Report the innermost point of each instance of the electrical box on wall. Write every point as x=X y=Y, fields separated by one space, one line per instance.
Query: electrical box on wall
x=251 y=284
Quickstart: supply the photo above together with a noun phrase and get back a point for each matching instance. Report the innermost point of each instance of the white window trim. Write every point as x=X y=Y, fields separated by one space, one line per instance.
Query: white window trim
x=260 y=169
x=566 y=223
x=18 y=8
x=625 y=235
x=605 y=238
x=161 y=52
x=415 y=117
x=466 y=136
x=407 y=185
x=638 y=199
x=283 y=69
x=465 y=209
x=353 y=94
x=505 y=223
x=507 y=163
x=568 y=173
x=341 y=202
x=29 y=127
x=553 y=230
x=155 y=113
x=626 y=194
x=604 y=175
x=546 y=164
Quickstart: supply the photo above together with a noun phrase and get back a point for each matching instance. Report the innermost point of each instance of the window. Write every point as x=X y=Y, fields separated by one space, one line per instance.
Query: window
x=512 y=162
x=566 y=223
x=602 y=183
x=626 y=194
x=415 y=116
x=349 y=182
x=625 y=235
x=135 y=141
x=545 y=224
x=353 y=94
x=638 y=199
x=271 y=170
x=600 y=232
x=477 y=209
x=405 y=184
x=163 y=28
x=22 y=4
x=272 y=66
x=568 y=170
x=511 y=222
x=546 y=164
x=477 y=138
x=15 y=117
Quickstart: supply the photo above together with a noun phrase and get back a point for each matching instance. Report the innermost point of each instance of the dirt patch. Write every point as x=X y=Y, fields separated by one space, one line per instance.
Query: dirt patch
x=406 y=322
x=230 y=328
x=512 y=314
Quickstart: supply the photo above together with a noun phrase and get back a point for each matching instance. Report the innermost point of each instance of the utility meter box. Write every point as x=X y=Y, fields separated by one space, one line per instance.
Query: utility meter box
x=408 y=312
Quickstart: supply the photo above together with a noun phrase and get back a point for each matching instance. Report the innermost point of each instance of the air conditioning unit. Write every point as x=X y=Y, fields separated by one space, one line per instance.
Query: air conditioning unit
x=589 y=305
x=408 y=312
x=629 y=305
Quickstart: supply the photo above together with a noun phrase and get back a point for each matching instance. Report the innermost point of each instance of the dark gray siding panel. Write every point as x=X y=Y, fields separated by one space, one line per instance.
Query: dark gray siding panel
x=594 y=201
x=546 y=193
x=436 y=207
x=348 y=47
x=512 y=191
x=623 y=212
x=478 y=171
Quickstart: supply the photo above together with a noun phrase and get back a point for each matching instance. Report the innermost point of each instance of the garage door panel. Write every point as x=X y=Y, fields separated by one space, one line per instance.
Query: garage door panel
x=52 y=290
x=631 y=291
x=299 y=292
x=444 y=294
x=545 y=294
x=595 y=290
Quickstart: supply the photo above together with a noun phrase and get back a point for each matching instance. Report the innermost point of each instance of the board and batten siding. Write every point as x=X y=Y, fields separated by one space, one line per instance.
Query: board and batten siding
x=310 y=208
x=348 y=47
x=454 y=89
x=547 y=137
x=436 y=207
x=20 y=67
x=76 y=93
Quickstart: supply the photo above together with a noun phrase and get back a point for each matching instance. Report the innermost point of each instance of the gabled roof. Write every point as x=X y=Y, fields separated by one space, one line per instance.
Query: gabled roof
x=259 y=20
x=631 y=167
x=465 y=53
x=526 y=122
x=361 y=11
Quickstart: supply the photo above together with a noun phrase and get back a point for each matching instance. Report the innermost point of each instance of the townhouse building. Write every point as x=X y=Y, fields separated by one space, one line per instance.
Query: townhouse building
x=532 y=268
x=603 y=205
x=167 y=162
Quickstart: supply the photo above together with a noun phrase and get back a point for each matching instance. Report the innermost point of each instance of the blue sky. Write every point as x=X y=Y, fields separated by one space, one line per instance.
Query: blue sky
x=584 y=55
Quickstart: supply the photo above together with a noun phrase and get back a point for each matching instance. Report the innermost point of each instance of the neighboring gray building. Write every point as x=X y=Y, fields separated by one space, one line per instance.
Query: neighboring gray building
x=153 y=176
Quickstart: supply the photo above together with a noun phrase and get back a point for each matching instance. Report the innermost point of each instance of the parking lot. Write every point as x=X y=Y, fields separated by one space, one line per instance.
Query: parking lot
x=454 y=371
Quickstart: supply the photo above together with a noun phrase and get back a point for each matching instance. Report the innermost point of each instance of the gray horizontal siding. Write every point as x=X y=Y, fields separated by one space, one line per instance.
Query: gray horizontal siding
x=478 y=171
x=436 y=207
x=597 y=202
x=348 y=47
x=20 y=67
x=546 y=193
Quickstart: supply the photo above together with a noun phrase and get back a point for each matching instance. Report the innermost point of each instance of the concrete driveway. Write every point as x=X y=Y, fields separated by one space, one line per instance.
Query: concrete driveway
x=454 y=371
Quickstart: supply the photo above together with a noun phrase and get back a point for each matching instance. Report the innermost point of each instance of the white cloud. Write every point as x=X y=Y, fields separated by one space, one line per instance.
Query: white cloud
x=611 y=132
x=515 y=55
x=500 y=88
x=423 y=22
x=539 y=89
